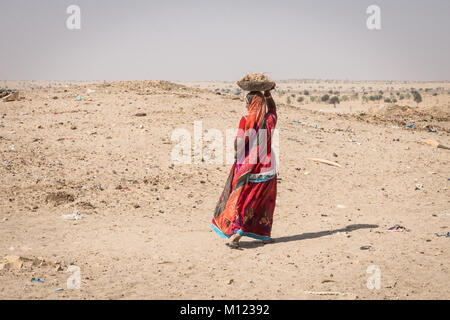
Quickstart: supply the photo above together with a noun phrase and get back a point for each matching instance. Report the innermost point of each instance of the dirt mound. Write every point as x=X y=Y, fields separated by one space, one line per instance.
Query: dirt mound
x=432 y=119
x=151 y=85
x=58 y=198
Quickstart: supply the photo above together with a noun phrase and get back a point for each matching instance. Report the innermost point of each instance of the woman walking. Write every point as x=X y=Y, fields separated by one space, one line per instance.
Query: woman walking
x=247 y=203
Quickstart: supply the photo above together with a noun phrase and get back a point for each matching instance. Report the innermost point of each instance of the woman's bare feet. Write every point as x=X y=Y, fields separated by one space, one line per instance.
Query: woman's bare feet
x=234 y=241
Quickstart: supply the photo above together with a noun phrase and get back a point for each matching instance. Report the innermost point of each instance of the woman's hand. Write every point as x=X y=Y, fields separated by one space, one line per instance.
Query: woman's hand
x=267 y=92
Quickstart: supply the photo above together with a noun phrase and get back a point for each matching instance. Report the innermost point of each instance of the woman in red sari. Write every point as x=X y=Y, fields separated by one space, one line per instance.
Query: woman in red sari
x=247 y=203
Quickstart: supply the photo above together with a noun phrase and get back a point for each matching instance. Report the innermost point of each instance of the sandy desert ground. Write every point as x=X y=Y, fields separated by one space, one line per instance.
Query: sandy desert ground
x=145 y=228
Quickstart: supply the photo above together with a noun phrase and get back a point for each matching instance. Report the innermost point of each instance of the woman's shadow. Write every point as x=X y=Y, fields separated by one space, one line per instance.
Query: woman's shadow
x=304 y=236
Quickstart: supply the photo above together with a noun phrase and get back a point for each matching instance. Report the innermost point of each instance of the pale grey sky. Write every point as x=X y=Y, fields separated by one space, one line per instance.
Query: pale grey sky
x=222 y=40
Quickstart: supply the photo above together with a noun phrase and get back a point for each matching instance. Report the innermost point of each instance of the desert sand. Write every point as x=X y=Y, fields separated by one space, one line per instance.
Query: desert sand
x=145 y=232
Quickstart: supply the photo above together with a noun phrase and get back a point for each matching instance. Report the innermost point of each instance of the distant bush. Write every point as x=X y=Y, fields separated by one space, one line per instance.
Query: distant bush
x=375 y=98
x=306 y=92
x=325 y=98
x=417 y=97
x=334 y=100
x=288 y=100
x=300 y=99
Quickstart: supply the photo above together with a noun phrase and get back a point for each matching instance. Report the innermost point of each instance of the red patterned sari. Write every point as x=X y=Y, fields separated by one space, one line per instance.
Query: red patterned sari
x=247 y=202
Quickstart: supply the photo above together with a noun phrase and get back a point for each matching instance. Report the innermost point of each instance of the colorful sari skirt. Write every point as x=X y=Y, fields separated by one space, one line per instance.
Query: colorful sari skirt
x=254 y=209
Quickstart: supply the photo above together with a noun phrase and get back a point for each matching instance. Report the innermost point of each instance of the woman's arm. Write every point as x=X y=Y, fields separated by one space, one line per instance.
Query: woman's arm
x=270 y=102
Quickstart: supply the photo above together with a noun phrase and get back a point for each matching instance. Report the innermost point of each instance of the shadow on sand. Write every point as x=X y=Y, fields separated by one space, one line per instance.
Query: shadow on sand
x=304 y=236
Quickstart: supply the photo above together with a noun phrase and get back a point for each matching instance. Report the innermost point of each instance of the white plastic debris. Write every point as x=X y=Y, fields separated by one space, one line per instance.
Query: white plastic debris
x=354 y=141
x=74 y=216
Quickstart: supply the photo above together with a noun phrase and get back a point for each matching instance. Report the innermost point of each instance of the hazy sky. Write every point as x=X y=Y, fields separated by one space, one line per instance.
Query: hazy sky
x=222 y=40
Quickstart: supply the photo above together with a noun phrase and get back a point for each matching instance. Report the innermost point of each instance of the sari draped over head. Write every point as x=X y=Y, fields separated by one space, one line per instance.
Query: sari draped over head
x=248 y=149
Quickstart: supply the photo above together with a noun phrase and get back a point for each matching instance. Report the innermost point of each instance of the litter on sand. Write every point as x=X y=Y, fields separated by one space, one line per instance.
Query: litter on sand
x=398 y=228
x=37 y=280
x=331 y=293
x=366 y=247
x=447 y=234
x=74 y=216
x=354 y=141
x=313 y=125
x=330 y=163
x=436 y=144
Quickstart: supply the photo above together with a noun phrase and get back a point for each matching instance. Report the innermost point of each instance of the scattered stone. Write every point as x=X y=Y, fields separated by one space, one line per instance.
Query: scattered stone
x=11 y=97
x=398 y=228
x=18 y=262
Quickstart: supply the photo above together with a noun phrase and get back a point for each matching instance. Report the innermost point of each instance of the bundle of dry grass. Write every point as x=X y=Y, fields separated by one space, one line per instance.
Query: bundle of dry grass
x=256 y=82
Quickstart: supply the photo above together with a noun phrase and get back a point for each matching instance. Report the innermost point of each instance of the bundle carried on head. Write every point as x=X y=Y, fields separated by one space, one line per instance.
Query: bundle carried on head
x=255 y=82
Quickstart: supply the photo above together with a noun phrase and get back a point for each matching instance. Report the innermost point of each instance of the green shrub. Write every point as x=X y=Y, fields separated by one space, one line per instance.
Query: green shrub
x=417 y=97
x=288 y=100
x=334 y=100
